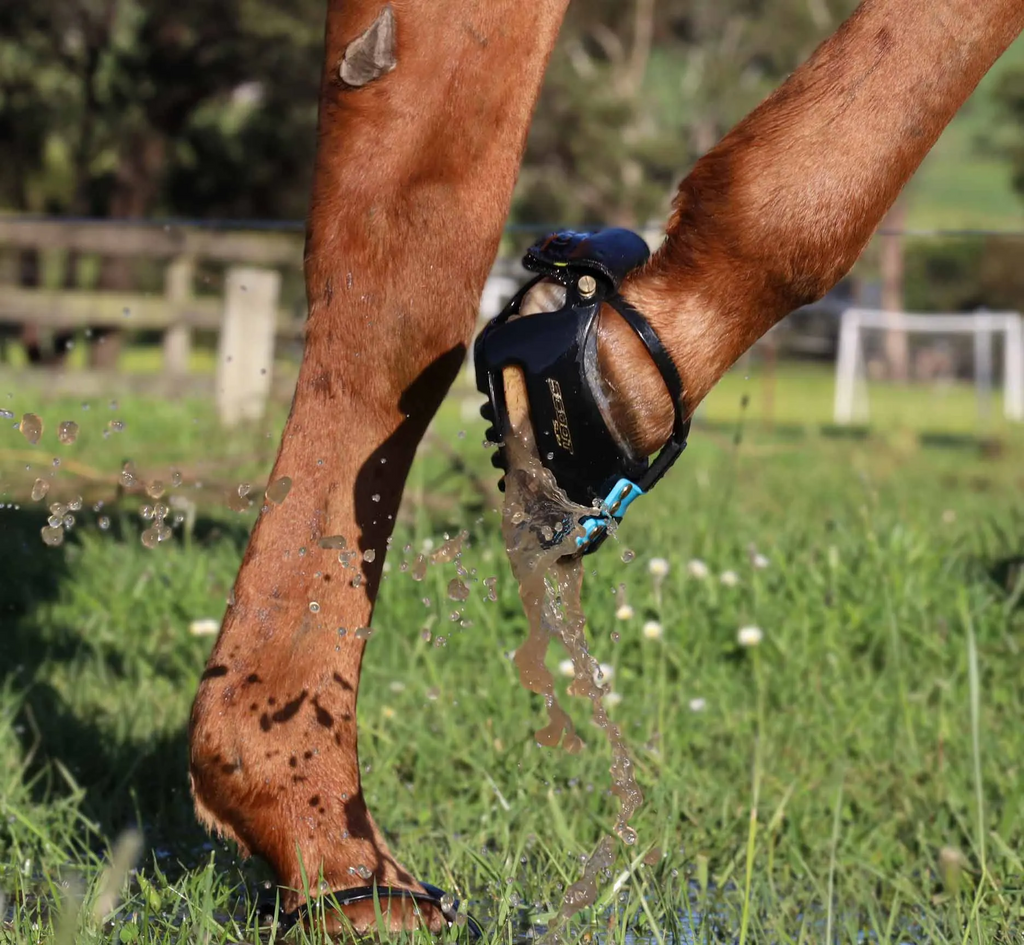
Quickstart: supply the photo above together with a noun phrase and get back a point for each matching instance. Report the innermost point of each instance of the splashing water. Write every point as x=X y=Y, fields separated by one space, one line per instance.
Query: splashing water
x=278 y=490
x=549 y=587
x=67 y=432
x=31 y=427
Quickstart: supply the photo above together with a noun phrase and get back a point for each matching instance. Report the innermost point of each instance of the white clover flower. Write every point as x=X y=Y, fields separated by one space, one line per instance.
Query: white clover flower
x=698 y=569
x=657 y=567
x=624 y=612
x=427 y=546
x=204 y=627
x=759 y=561
x=566 y=668
x=729 y=578
x=652 y=630
x=397 y=686
x=611 y=700
x=697 y=705
x=749 y=636
x=604 y=673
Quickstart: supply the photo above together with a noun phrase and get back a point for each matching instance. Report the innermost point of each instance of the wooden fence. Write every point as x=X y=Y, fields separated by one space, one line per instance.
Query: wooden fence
x=248 y=319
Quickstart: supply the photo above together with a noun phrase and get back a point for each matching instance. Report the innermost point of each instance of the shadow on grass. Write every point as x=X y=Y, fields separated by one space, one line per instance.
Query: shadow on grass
x=75 y=725
x=1008 y=573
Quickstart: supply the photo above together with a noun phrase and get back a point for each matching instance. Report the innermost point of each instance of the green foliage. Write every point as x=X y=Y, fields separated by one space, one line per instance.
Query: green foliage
x=113 y=102
x=963 y=274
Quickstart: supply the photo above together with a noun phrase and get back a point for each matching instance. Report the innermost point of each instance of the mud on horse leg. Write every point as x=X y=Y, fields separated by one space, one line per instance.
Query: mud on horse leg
x=423 y=116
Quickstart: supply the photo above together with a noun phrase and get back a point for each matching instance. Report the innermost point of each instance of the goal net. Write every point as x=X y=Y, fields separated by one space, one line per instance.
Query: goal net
x=941 y=349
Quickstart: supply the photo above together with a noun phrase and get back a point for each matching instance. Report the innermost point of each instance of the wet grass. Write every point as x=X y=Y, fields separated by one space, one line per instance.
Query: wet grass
x=853 y=777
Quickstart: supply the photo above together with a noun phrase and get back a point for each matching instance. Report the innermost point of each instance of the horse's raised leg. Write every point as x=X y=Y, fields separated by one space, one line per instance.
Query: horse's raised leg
x=424 y=110
x=778 y=212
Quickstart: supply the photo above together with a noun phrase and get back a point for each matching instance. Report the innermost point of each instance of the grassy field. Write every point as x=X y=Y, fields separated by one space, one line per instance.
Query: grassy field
x=855 y=774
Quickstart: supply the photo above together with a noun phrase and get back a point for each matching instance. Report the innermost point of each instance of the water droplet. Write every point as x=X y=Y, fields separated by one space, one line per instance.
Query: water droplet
x=151 y=537
x=53 y=535
x=332 y=541
x=103 y=522
x=175 y=477
x=31 y=427
x=628 y=555
x=491 y=584
x=75 y=505
x=155 y=489
x=314 y=607
x=67 y=432
x=364 y=633
x=369 y=555
x=39 y=489
x=626 y=834
x=116 y=426
x=375 y=497
x=457 y=590
x=238 y=499
x=419 y=571
x=128 y=475
x=7 y=414
x=278 y=490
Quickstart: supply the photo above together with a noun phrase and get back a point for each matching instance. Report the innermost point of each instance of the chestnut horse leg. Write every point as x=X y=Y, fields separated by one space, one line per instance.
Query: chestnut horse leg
x=778 y=212
x=424 y=110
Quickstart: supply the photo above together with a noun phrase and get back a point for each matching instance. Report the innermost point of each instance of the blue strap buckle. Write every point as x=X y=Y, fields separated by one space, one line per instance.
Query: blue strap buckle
x=614 y=506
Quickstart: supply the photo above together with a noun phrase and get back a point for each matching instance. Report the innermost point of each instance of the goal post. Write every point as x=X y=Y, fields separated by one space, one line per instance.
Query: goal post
x=851 y=401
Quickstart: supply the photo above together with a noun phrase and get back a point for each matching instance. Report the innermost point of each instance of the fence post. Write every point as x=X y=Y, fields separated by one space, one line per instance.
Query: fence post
x=1013 y=382
x=245 y=351
x=846 y=367
x=178 y=280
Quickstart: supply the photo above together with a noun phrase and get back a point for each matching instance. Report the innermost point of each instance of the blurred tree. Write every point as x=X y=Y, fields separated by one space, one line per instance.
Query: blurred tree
x=109 y=104
x=1008 y=94
x=637 y=91
x=207 y=108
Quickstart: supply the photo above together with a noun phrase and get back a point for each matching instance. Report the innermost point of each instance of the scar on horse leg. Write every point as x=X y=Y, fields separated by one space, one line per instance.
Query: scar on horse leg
x=414 y=174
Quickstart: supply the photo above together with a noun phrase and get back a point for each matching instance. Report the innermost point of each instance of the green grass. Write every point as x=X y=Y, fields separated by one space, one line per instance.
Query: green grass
x=857 y=772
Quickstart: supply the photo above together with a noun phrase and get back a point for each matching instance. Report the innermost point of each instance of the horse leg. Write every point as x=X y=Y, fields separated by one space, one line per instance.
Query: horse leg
x=423 y=117
x=778 y=212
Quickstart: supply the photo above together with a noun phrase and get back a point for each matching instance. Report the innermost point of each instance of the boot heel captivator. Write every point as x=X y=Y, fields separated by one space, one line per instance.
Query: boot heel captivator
x=557 y=353
x=432 y=897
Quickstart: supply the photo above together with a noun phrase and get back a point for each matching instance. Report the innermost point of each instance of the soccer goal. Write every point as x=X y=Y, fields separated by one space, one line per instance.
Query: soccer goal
x=855 y=363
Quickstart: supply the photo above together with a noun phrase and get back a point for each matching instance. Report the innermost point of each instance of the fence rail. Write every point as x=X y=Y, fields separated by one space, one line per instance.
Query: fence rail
x=247 y=319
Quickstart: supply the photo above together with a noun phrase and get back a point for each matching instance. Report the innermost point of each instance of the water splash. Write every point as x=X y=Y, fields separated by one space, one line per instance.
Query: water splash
x=550 y=586
x=31 y=427
x=278 y=490
x=67 y=432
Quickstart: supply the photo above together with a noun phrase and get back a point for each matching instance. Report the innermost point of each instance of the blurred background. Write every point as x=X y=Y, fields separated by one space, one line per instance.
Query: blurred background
x=150 y=147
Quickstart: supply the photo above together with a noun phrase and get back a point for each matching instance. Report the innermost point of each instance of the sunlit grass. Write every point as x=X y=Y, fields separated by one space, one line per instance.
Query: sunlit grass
x=852 y=768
